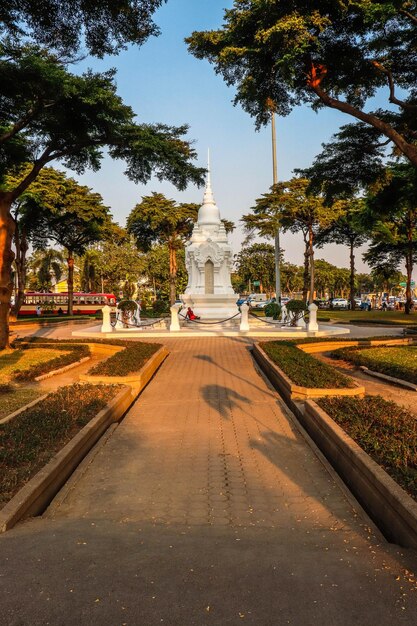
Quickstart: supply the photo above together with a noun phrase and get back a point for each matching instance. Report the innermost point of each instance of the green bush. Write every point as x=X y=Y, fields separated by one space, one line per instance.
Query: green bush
x=296 y=306
x=31 y=439
x=273 y=309
x=159 y=307
x=126 y=361
x=397 y=361
x=303 y=369
x=386 y=431
x=75 y=354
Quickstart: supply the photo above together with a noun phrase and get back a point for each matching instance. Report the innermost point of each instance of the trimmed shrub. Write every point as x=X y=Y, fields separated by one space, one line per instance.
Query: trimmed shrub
x=32 y=438
x=303 y=369
x=126 y=361
x=273 y=309
x=386 y=431
x=127 y=306
x=298 y=308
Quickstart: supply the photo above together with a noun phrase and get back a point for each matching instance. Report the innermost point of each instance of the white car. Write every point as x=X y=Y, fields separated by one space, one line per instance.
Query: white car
x=340 y=303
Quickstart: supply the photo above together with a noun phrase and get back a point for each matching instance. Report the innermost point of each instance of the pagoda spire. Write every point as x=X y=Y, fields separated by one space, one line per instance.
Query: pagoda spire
x=208 y=193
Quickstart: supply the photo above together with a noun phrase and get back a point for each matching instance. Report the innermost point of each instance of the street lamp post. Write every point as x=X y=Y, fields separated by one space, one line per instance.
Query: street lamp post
x=275 y=181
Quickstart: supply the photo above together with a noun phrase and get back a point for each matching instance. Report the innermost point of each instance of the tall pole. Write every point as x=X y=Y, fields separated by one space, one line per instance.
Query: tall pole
x=275 y=181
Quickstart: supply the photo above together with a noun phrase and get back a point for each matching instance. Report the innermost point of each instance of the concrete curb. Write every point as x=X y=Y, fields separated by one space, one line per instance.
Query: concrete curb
x=392 y=509
x=63 y=369
x=390 y=379
x=137 y=381
x=289 y=390
x=9 y=417
x=325 y=346
x=34 y=497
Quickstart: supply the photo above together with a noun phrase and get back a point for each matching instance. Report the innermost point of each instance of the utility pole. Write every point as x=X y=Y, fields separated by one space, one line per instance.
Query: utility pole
x=275 y=181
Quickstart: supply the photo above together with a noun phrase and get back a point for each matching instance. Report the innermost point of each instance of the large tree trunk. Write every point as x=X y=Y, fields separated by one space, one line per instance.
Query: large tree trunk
x=172 y=275
x=306 y=273
x=311 y=255
x=409 y=271
x=277 y=254
x=21 y=245
x=70 y=280
x=352 y=277
x=7 y=226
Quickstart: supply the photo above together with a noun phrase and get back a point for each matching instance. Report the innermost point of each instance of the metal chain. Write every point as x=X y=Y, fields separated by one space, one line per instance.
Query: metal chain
x=208 y=323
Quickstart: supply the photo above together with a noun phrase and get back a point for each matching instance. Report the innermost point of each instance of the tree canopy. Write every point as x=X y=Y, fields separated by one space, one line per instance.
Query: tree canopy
x=157 y=219
x=280 y=54
x=102 y=26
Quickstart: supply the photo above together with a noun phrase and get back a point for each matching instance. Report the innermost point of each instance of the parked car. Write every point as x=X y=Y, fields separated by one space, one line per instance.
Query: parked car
x=340 y=303
x=262 y=305
x=242 y=301
x=322 y=303
x=285 y=300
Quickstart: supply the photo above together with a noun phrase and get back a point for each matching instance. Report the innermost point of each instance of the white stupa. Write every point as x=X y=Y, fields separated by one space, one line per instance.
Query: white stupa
x=209 y=262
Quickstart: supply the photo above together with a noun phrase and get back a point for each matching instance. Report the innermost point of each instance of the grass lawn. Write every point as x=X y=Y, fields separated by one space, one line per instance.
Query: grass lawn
x=14 y=398
x=394 y=318
x=397 y=361
x=14 y=361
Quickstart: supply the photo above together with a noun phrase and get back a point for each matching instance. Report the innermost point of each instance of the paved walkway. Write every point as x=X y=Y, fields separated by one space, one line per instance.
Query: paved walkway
x=205 y=506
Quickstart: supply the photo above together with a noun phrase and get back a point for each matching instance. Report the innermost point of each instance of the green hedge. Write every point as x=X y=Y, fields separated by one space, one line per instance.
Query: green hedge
x=126 y=361
x=32 y=438
x=397 y=361
x=75 y=354
x=303 y=369
x=386 y=431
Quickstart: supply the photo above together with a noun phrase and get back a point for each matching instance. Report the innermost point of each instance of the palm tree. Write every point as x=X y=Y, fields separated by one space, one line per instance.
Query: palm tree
x=45 y=265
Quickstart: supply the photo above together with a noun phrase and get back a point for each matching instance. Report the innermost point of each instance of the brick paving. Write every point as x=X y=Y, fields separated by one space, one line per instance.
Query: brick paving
x=208 y=442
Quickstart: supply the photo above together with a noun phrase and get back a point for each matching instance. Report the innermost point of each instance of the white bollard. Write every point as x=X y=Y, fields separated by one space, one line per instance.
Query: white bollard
x=175 y=322
x=119 y=323
x=312 y=323
x=283 y=314
x=106 y=326
x=244 y=319
x=301 y=322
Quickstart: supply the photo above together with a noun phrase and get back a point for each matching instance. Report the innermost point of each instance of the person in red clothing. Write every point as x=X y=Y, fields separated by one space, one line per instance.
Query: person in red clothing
x=191 y=315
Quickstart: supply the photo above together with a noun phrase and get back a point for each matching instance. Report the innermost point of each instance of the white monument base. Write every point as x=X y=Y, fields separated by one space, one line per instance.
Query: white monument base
x=217 y=306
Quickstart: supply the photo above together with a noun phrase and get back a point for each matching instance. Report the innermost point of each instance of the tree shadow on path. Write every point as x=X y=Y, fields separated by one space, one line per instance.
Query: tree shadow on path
x=224 y=400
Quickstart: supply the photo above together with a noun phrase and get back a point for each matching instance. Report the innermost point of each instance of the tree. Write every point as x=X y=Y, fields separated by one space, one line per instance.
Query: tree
x=49 y=114
x=291 y=277
x=157 y=219
x=156 y=270
x=392 y=214
x=289 y=207
x=25 y=212
x=103 y=26
x=257 y=262
x=386 y=277
x=114 y=261
x=347 y=230
x=45 y=265
x=74 y=220
x=325 y=54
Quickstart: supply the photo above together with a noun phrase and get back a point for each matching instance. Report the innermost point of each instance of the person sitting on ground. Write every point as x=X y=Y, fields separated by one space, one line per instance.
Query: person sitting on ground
x=191 y=315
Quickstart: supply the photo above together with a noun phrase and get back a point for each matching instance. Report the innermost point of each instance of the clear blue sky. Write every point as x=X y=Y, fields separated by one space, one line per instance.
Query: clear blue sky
x=164 y=83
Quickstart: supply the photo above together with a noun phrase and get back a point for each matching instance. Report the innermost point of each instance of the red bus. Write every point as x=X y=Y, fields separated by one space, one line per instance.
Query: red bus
x=84 y=303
